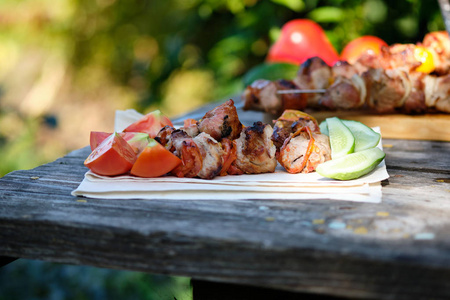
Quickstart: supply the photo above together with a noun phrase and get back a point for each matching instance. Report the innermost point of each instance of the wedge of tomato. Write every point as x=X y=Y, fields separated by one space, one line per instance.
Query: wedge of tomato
x=137 y=140
x=97 y=137
x=154 y=161
x=114 y=156
x=151 y=123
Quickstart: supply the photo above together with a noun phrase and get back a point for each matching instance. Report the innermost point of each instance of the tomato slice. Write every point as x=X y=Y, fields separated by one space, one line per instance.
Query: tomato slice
x=154 y=161
x=364 y=44
x=97 y=137
x=114 y=156
x=151 y=123
x=137 y=140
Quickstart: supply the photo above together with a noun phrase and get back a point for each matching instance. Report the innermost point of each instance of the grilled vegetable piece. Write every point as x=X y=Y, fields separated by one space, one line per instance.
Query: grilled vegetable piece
x=304 y=150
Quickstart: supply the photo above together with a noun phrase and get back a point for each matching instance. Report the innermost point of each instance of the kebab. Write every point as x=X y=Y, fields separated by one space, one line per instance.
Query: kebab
x=218 y=144
x=387 y=83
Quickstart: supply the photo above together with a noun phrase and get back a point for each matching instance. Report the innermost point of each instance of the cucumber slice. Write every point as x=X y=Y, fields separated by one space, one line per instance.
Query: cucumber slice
x=342 y=141
x=324 y=128
x=365 y=137
x=351 y=166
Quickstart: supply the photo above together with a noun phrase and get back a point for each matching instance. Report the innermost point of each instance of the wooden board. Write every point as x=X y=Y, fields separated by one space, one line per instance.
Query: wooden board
x=420 y=127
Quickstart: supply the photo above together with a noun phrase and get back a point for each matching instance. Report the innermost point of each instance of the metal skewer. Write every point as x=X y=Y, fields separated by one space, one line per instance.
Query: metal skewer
x=445 y=11
x=298 y=91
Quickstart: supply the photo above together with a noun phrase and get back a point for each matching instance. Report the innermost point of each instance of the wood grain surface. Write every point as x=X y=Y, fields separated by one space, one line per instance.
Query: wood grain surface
x=398 y=249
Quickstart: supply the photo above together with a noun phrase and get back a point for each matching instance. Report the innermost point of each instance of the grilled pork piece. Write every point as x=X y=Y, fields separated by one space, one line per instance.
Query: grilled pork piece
x=387 y=90
x=438 y=43
x=314 y=73
x=437 y=92
x=347 y=89
x=368 y=60
x=343 y=69
x=415 y=102
x=304 y=150
x=255 y=150
x=212 y=153
x=345 y=93
x=262 y=95
x=221 y=122
x=399 y=56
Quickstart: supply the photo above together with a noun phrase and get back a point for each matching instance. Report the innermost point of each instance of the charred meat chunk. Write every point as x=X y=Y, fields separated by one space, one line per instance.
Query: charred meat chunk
x=255 y=150
x=263 y=95
x=211 y=152
x=221 y=122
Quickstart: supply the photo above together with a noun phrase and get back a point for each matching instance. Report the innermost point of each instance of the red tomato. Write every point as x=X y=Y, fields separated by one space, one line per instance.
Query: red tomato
x=299 y=40
x=137 y=140
x=364 y=44
x=151 y=123
x=97 y=137
x=154 y=161
x=114 y=156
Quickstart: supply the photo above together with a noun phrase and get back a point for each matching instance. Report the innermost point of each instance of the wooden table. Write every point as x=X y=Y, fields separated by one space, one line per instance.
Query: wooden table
x=398 y=249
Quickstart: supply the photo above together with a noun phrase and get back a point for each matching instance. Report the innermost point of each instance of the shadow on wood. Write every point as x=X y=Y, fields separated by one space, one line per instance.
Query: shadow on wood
x=4 y=260
x=206 y=290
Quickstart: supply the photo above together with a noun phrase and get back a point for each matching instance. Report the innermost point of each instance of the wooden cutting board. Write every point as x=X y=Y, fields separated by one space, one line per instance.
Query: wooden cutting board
x=420 y=127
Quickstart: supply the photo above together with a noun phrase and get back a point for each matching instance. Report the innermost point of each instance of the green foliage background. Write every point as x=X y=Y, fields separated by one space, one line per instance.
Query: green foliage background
x=67 y=65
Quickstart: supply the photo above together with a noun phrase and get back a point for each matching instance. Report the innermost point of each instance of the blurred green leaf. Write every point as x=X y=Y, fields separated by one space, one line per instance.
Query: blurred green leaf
x=327 y=14
x=295 y=5
x=375 y=11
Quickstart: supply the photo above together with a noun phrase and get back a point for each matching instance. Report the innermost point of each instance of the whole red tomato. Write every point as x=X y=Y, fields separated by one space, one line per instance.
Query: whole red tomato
x=364 y=44
x=299 y=40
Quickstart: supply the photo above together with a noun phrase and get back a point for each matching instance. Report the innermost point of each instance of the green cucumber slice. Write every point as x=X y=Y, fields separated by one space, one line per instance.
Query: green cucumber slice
x=342 y=141
x=351 y=166
x=365 y=137
x=324 y=128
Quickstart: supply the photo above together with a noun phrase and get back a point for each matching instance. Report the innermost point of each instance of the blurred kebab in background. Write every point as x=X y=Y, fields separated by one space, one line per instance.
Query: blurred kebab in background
x=401 y=78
